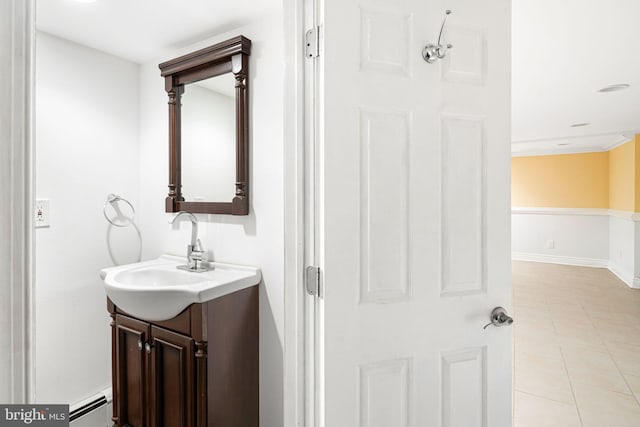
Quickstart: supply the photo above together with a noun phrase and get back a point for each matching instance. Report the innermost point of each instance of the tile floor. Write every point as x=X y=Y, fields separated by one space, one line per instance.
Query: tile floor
x=577 y=347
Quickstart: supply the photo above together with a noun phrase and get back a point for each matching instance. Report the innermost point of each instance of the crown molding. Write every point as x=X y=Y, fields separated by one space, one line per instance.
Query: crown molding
x=624 y=137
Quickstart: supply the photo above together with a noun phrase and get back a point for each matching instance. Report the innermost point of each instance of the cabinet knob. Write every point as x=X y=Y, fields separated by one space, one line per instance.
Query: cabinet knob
x=148 y=347
x=139 y=344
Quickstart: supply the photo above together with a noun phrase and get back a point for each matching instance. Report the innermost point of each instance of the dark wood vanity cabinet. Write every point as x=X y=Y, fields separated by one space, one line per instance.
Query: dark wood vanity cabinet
x=129 y=371
x=199 y=369
x=172 y=379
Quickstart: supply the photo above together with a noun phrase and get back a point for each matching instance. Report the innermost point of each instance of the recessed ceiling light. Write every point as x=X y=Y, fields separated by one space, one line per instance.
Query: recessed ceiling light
x=615 y=88
x=579 y=125
x=562 y=144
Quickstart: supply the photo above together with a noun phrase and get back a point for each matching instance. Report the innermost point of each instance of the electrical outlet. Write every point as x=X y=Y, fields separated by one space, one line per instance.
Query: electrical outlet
x=41 y=213
x=551 y=244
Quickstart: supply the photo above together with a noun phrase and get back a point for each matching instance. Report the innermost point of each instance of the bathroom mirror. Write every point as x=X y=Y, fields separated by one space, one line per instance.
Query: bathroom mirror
x=208 y=140
x=209 y=129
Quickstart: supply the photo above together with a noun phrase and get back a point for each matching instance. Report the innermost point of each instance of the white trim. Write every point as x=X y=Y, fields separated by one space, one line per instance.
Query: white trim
x=294 y=130
x=624 y=138
x=314 y=220
x=627 y=278
x=622 y=133
x=628 y=215
x=30 y=184
x=16 y=166
x=293 y=381
x=558 y=151
x=631 y=216
x=559 y=211
x=303 y=100
x=564 y=260
x=621 y=142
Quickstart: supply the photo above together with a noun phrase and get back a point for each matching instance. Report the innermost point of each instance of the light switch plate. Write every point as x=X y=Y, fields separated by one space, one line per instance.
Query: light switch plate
x=42 y=213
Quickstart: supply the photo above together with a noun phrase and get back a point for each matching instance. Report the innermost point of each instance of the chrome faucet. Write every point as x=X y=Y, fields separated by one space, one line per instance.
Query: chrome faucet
x=195 y=253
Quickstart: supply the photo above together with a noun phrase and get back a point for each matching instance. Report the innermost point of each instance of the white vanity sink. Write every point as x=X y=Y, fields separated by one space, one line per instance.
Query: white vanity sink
x=157 y=290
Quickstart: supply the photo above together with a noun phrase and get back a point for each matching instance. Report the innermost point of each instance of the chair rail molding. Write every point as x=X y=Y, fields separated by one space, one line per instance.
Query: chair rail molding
x=520 y=210
x=604 y=238
x=631 y=216
x=558 y=211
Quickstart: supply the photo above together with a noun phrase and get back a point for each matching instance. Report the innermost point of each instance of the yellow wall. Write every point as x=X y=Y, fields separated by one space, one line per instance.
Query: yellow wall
x=561 y=181
x=622 y=179
x=609 y=180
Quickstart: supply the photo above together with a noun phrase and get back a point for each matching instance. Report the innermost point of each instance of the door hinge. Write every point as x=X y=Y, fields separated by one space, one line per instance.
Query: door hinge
x=312 y=43
x=312 y=280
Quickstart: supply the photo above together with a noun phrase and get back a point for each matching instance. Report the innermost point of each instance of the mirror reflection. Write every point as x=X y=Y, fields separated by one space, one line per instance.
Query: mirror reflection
x=208 y=126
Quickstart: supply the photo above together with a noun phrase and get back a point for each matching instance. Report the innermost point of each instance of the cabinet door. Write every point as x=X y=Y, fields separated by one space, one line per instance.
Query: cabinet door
x=130 y=388
x=172 y=374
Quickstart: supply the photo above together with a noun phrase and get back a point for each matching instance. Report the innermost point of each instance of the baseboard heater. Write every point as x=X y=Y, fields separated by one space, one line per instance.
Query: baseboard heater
x=89 y=405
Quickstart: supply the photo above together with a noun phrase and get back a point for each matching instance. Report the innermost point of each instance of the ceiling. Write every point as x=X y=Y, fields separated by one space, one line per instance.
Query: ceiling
x=563 y=53
x=144 y=30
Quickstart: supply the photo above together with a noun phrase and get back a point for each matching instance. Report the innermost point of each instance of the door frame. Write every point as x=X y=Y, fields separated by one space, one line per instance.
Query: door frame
x=293 y=353
x=15 y=213
x=300 y=141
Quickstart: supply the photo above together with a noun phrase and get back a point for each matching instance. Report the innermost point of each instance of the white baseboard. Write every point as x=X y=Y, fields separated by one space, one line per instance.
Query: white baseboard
x=557 y=259
x=624 y=276
x=628 y=279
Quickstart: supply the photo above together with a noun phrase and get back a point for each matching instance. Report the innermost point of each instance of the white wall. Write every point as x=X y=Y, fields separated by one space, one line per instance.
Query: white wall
x=86 y=147
x=256 y=239
x=624 y=249
x=102 y=128
x=587 y=237
x=578 y=239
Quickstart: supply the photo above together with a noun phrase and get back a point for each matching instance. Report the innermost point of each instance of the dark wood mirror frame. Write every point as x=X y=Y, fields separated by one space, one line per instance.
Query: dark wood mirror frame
x=230 y=56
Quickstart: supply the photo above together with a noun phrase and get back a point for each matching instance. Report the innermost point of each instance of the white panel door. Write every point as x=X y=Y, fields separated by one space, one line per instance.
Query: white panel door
x=414 y=215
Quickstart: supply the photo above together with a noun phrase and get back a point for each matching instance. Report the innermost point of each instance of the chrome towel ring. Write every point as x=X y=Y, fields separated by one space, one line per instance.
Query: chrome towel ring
x=112 y=200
